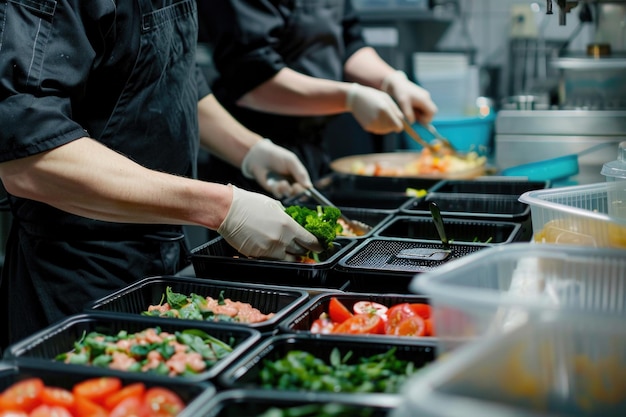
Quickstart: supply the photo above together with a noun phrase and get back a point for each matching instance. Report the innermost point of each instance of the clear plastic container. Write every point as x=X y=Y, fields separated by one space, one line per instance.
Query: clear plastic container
x=560 y=364
x=585 y=215
x=497 y=289
x=616 y=170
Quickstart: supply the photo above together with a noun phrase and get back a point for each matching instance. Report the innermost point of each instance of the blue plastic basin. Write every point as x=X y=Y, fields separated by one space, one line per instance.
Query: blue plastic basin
x=466 y=133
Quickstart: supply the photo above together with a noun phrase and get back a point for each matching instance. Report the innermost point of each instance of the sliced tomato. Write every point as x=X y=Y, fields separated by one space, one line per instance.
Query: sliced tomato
x=11 y=413
x=361 y=324
x=97 y=389
x=162 y=402
x=45 y=410
x=128 y=407
x=430 y=331
x=421 y=309
x=84 y=407
x=23 y=395
x=136 y=390
x=396 y=314
x=370 y=307
x=337 y=311
x=57 y=396
x=323 y=325
x=410 y=326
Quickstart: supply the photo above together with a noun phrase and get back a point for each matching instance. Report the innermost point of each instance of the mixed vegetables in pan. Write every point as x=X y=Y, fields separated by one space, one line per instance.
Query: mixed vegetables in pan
x=197 y=307
x=93 y=397
x=183 y=353
x=369 y=317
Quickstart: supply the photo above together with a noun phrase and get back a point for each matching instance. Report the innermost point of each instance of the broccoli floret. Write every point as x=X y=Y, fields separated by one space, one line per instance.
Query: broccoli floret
x=322 y=222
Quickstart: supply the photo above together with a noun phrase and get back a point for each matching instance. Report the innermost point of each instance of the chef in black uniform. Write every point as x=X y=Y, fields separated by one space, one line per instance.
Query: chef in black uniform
x=286 y=67
x=101 y=107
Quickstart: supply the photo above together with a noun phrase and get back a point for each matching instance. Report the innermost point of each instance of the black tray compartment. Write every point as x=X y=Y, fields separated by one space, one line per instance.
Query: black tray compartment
x=135 y=298
x=244 y=373
x=254 y=402
x=218 y=257
x=42 y=347
x=457 y=230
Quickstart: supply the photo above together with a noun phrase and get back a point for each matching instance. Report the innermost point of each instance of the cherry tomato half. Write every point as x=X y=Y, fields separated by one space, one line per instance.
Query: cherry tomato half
x=84 y=407
x=370 y=307
x=136 y=390
x=129 y=406
x=396 y=314
x=162 y=402
x=410 y=326
x=337 y=311
x=57 y=396
x=23 y=395
x=45 y=410
x=97 y=389
x=362 y=324
x=421 y=309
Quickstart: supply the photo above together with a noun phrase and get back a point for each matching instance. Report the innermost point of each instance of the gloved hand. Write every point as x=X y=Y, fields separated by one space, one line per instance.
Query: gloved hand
x=257 y=226
x=414 y=101
x=265 y=157
x=375 y=110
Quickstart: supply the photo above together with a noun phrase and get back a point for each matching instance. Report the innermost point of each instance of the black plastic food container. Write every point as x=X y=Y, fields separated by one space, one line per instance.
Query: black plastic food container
x=42 y=347
x=218 y=257
x=365 y=193
x=136 y=298
x=255 y=402
x=194 y=395
x=489 y=186
x=377 y=265
x=457 y=230
x=473 y=206
x=302 y=319
x=244 y=373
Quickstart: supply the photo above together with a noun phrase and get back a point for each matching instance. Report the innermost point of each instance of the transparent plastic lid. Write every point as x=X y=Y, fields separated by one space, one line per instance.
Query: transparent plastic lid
x=616 y=168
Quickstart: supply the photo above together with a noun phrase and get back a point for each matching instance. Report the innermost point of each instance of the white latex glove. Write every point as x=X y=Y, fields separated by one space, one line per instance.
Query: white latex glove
x=375 y=110
x=266 y=157
x=257 y=226
x=414 y=101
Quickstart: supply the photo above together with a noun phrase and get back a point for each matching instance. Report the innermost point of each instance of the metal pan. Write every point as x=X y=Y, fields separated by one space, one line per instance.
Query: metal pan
x=398 y=161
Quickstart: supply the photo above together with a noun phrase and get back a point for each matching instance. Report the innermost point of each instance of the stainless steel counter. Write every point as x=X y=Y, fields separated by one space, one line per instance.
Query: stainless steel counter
x=523 y=136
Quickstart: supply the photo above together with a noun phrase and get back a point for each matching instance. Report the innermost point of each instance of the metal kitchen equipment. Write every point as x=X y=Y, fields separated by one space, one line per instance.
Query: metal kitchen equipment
x=587 y=108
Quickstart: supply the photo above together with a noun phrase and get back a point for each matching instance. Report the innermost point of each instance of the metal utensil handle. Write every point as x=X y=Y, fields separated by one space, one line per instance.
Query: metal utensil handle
x=433 y=131
x=413 y=134
x=438 y=220
x=319 y=197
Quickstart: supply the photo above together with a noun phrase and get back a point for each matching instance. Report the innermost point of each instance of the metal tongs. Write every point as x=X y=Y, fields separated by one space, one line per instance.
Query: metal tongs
x=359 y=228
x=446 y=145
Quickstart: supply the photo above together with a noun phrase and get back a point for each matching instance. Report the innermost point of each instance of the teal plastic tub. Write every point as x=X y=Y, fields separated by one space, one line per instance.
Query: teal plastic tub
x=466 y=133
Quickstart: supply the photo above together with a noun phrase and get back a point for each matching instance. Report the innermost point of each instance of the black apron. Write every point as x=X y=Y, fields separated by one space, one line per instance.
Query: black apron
x=57 y=262
x=312 y=44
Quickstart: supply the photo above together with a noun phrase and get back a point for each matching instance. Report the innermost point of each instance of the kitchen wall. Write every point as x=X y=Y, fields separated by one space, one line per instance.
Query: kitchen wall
x=486 y=26
x=505 y=36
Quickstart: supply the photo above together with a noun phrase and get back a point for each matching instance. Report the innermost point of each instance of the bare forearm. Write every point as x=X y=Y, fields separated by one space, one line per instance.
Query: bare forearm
x=292 y=93
x=366 y=67
x=87 y=179
x=222 y=134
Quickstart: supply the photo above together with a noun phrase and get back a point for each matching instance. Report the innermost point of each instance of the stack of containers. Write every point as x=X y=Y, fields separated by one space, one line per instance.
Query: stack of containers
x=535 y=329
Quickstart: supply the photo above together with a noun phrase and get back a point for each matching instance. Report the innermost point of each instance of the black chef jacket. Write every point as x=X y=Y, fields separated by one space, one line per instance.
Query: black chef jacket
x=123 y=73
x=252 y=40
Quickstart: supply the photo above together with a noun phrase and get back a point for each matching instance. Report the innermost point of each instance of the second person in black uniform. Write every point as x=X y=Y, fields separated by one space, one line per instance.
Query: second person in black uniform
x=286 y=67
